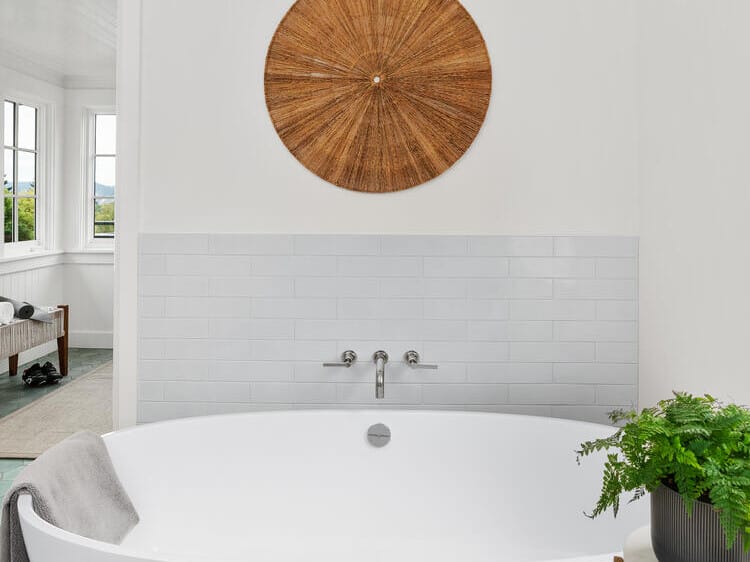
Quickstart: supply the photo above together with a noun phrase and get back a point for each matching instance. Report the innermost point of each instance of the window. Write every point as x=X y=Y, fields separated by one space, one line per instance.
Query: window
x=20 y=170
x=105 y=160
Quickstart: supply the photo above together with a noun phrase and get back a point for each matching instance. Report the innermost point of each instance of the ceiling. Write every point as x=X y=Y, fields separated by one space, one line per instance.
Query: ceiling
x=71 y=43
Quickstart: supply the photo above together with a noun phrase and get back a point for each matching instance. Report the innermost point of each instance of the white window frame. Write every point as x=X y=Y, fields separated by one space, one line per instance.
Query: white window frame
x=44 y=173
x=91 y=243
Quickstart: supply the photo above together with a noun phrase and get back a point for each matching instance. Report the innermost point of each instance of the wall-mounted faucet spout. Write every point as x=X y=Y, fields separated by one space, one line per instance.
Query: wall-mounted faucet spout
x=380 y=358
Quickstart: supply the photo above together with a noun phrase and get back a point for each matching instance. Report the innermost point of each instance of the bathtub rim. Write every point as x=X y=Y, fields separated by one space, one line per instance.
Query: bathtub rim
x=29 y=516
x=358 y=411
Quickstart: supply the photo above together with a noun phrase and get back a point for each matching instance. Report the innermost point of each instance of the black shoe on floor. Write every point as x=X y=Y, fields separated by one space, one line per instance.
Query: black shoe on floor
x=34 y=376
x=53 y=377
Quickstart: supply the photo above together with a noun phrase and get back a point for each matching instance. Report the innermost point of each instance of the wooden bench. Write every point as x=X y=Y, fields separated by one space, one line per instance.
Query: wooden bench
x=23 y=335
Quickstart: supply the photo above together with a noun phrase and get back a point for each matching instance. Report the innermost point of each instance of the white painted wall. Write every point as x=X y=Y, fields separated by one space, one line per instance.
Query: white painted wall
x=88 y=289
x=695 y=198
x=557 y=154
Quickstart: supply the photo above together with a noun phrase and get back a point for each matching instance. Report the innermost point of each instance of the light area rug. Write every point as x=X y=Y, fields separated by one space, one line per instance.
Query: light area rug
x=83 y=404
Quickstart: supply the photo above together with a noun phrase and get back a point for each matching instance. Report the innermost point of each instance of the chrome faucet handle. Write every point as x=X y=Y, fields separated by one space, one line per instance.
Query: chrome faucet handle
x=412 y=359
x=380 y=355
x=348 y=358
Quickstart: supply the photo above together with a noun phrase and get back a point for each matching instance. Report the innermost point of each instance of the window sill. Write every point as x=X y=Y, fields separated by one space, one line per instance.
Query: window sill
x=94 y=250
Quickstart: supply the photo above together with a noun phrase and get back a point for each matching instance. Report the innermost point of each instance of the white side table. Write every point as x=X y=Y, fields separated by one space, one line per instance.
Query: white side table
x=638 y=546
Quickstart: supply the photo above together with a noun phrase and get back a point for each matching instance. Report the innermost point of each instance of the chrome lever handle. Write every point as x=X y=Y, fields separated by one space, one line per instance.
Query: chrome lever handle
x=348 y=358
x=412 y=359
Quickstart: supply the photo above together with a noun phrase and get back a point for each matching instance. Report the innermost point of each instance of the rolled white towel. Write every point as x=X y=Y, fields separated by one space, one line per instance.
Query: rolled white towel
x=6 y=313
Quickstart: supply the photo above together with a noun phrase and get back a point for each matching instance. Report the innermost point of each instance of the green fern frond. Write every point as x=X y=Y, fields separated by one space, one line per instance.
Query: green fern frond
x=694 y=444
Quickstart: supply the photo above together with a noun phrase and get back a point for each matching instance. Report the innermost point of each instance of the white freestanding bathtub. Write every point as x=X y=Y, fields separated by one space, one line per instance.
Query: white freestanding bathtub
x=308 y=486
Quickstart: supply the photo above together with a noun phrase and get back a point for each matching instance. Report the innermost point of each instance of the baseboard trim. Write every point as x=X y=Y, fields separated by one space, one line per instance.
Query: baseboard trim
x=91 y=339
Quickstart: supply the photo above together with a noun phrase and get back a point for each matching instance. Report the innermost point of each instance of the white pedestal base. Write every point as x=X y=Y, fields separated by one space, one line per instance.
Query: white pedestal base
x=638 y=547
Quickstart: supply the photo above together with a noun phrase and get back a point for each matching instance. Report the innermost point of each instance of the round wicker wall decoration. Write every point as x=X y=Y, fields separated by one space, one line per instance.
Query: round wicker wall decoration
x=378 y=95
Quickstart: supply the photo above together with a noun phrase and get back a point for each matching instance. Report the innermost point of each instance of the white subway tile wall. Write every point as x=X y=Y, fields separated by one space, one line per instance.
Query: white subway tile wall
x=528 y=325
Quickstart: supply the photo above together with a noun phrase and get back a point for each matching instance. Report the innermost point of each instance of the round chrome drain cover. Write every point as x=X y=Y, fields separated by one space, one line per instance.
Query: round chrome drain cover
x=379 y=435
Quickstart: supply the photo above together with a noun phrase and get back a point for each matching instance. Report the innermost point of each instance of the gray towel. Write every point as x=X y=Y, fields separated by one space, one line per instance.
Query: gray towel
x=74 y=487
x=23 y=310
x=41 y=315
x=26 y=311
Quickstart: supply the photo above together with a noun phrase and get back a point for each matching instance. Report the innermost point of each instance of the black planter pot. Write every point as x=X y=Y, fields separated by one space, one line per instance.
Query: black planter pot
x=678 y=538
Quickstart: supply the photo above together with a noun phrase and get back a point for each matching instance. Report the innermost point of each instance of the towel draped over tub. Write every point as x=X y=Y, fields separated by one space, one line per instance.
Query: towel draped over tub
x=74 y=486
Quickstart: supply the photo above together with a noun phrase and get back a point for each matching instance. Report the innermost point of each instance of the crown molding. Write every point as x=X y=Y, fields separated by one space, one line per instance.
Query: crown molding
x=89 y=82
x=24 y=65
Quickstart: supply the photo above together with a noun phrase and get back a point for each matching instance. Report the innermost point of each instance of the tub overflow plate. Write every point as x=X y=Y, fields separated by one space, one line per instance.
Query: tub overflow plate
x=379 y=435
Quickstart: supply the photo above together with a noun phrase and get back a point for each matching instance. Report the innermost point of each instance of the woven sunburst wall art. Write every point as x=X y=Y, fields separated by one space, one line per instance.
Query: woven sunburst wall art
x=378 y=95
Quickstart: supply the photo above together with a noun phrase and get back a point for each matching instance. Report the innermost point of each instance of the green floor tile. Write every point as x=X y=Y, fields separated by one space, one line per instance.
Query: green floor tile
x=8 y=465
x=15 y=395
x=4 y=487
x=11 y=475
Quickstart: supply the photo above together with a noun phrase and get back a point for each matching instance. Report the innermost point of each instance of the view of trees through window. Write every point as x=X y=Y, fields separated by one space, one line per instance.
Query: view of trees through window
x=105 y=148
x=20 y=155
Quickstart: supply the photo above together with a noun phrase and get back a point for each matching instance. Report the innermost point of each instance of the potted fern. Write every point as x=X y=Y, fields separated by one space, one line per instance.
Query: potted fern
x=692 y=454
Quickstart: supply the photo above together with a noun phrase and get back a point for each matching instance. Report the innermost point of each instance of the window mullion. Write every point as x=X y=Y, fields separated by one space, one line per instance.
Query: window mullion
x=93 y=186
x=14 y=205
x=13 y=234
x=15 y=219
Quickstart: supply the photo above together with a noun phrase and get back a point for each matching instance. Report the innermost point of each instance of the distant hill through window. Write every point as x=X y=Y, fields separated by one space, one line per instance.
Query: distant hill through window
x=105 y=190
